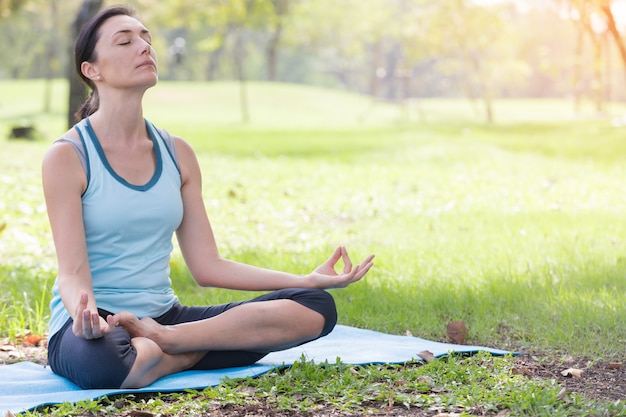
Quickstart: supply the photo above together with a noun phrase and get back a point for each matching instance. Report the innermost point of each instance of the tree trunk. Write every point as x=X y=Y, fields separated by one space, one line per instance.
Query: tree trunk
x=378 y=69
x=612 y=28
x=597 y=86
x=578 y=77
x=238 y=55
x=281 y=8
x=51 y=55
x=78 y=90
x=214 y=62
x=482 y=84
x=272 y=52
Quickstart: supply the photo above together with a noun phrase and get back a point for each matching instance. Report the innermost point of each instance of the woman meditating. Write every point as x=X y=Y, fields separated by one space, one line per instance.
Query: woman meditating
x=117 y=189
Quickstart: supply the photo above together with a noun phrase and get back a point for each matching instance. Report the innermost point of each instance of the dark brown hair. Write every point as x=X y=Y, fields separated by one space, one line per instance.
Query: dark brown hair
x=85 y=50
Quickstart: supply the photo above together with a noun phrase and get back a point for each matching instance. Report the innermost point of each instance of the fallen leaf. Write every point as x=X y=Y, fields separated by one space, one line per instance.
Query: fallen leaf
x=615 y=365
x=572 y=373
x=562 y=394
x=7 y=348
x=426 y=355
x=31 y=340
x=457 y=332
x=408 y=333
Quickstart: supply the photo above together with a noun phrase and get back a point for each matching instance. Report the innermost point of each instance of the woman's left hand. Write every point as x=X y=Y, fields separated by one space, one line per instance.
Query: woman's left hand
x=325 y=275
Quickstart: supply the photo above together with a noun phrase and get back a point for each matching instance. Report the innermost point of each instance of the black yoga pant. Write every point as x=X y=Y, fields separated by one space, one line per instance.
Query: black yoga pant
x=106 y=362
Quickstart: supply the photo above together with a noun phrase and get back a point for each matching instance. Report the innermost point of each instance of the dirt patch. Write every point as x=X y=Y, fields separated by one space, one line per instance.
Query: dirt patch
x=12 y=353
x=599 y=380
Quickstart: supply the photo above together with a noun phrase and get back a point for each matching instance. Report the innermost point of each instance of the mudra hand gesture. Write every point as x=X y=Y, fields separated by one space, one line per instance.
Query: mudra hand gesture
x=325 y=276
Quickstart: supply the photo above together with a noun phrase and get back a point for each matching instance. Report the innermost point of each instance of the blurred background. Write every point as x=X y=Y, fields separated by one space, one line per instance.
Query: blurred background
x=395 y=51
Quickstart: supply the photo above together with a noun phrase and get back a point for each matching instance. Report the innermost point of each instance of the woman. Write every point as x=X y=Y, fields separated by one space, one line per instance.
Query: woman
x=116 y=190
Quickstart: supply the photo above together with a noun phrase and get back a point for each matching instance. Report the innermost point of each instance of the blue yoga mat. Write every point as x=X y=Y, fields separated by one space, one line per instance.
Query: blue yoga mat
x=25 y=385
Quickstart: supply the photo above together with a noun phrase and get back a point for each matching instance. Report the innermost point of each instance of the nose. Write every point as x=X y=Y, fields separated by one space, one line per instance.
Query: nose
x=145 y=47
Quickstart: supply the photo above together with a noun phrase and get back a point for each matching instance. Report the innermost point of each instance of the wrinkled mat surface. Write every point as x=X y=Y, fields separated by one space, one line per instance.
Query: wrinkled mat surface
x=26 y=385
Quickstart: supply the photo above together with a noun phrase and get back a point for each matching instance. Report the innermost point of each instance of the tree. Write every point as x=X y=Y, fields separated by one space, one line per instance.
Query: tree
x=226 y=25
x=9 y=7
x=18 y=35
x=277 y=23
x=350 y=38
x=51 y=53
x=470 y=44
x=596 y=22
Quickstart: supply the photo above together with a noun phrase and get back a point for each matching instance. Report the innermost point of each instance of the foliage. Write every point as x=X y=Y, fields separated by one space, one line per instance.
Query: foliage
x=391 y=50
x=39 y=31
x=8 y=7
x=477 y=50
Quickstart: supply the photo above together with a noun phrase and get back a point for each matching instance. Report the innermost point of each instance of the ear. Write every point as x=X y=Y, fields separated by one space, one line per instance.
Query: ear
x=89 y=70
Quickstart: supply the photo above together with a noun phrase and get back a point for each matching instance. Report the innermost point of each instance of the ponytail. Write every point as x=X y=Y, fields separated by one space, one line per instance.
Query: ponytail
x=89 y=107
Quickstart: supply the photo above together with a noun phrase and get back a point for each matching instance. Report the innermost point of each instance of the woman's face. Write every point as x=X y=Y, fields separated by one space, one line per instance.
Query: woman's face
x=124 y=56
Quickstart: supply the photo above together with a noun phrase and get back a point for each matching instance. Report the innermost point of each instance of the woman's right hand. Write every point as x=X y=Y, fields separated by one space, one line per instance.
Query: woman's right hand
x=88 y=324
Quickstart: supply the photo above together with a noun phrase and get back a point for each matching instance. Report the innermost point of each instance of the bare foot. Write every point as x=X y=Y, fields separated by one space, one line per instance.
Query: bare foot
x=146 y=327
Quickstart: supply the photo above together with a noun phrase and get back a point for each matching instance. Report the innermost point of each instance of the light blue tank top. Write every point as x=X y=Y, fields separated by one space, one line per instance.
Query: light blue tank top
x=129 y=230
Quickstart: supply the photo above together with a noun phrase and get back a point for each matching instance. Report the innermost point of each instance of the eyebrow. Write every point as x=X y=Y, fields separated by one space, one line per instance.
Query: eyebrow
x=126 y=31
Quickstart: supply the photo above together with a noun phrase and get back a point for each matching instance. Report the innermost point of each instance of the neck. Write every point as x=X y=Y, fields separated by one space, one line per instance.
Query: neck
x=119 y=118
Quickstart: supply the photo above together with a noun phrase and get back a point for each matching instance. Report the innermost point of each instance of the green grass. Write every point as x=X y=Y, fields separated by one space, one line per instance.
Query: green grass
x=475 y=385
x=515 y=228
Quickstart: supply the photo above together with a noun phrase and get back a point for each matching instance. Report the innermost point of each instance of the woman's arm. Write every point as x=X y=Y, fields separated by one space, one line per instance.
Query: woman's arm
x=64 y=181
x=208 y=268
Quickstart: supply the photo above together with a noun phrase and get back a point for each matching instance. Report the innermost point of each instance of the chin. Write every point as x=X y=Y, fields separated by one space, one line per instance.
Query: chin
x=151 y=82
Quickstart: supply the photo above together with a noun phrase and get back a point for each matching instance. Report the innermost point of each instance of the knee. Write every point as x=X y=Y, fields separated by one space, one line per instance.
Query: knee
x=330 y=313
x=92 y=364
x=323 y=303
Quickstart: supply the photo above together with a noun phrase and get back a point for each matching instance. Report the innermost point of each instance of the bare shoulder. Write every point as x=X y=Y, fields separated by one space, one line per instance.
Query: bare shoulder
x=187 y=160
x=186 y=154
x=61 y=152
x=62 y=162
x=183 y=146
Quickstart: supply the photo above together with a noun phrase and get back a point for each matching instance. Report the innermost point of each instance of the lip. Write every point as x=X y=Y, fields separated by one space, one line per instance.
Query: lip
x=148 y=63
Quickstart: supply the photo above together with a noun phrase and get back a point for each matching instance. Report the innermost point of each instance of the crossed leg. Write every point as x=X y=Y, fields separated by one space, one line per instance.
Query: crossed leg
x=261 y=326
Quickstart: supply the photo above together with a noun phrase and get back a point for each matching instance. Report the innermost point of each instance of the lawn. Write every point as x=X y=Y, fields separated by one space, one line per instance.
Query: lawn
x=515 y=228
